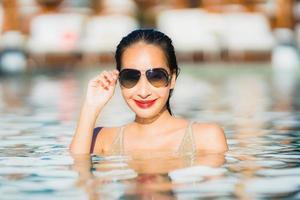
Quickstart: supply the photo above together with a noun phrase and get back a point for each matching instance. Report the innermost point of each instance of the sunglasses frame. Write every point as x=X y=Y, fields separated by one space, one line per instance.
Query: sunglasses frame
x=144 y=72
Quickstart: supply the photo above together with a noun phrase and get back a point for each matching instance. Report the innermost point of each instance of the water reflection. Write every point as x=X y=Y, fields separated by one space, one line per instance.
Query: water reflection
x=284 y=81
x=140 y=176
x=13 y=92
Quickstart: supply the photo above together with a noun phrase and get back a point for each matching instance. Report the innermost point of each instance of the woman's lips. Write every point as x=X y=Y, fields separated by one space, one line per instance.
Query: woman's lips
x=145 y=104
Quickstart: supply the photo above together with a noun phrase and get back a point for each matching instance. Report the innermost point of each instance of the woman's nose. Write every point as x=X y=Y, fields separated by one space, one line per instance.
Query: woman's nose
x=143 y=87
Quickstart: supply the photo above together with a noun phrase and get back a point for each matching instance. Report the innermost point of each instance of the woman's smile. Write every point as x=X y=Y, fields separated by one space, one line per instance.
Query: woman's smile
x=144 y=104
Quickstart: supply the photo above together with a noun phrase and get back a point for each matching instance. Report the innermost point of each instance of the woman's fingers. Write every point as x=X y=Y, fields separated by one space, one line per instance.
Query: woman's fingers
x=105 y=79
x=111 y=77
x=115 y=73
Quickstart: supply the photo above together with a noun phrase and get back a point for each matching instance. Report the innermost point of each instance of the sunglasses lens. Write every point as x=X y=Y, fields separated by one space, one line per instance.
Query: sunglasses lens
x=158 y=77
x=129 y=77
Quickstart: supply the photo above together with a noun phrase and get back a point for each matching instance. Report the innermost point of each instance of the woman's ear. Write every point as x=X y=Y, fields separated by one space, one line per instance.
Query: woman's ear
x=173 y=81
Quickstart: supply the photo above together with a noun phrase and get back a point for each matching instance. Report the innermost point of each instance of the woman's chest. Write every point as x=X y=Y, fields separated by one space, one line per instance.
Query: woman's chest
x=168 y=141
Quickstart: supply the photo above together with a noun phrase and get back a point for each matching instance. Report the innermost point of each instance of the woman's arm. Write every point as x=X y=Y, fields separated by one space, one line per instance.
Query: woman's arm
x=100 y=90
x=82 y=139
x=210 y=138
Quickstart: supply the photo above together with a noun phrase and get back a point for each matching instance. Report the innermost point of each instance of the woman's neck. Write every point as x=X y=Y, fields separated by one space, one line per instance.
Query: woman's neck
x=147 y=124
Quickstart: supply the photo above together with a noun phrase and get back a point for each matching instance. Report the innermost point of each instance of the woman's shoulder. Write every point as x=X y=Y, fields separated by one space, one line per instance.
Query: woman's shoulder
x=103 y=137
x=107 y=131
x=210 y=136
x=212 y=128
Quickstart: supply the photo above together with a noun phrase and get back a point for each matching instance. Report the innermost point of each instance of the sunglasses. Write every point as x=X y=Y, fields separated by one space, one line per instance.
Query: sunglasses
x=158 y=77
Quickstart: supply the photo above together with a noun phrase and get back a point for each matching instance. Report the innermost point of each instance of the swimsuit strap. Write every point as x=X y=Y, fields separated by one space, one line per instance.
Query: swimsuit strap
x=94 y=138
x=188 y=144
x=117 y=146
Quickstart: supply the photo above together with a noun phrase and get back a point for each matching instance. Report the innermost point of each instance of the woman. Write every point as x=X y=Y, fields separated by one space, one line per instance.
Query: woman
x=147 y=71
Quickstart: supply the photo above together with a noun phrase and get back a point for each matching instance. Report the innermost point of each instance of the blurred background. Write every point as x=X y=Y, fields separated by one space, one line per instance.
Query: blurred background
x=43 y=33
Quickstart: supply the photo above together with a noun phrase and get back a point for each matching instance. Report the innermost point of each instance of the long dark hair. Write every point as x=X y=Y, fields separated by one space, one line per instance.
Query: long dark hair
x=154 y=37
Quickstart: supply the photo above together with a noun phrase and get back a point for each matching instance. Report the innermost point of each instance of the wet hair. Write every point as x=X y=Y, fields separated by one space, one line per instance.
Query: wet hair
x=153 y=37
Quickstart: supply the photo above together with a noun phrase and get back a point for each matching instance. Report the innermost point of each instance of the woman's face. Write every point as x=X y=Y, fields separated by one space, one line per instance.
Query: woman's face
x=145 y=99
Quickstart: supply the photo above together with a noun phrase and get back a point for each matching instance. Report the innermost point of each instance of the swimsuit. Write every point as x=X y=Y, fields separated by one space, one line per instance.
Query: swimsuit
x=187 y=144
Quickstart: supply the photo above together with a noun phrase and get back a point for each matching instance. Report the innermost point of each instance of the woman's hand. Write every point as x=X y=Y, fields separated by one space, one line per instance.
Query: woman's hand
x=101 y=88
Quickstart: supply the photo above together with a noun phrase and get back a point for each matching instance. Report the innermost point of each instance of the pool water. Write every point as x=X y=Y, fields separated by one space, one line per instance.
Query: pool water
x=259 y=108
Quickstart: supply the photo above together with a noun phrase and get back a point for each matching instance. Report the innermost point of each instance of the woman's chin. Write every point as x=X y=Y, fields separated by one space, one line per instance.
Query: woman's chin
x=146 y=114
x=149 y=113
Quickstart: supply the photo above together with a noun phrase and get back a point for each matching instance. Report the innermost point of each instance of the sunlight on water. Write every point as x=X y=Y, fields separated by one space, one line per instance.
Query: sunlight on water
x=257 y=106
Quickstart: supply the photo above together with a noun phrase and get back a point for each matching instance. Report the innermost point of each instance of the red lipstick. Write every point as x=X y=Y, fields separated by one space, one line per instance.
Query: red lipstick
x=144 y=103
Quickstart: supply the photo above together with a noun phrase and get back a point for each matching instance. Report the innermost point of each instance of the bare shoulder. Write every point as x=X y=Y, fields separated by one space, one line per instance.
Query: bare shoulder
x=106 y=131
x=210 y=137
x=104 y=138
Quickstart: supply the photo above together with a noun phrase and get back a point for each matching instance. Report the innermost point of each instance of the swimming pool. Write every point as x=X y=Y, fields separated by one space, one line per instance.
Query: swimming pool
x=259 y=108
